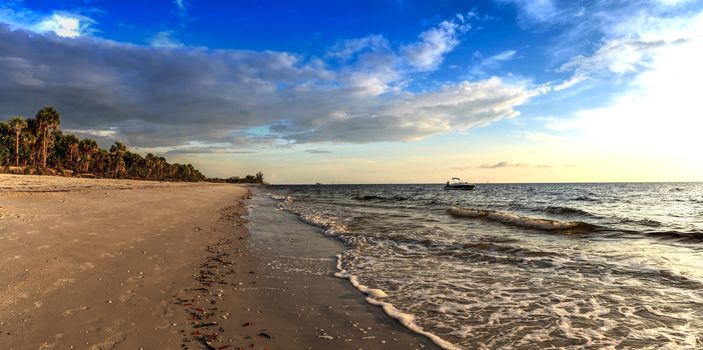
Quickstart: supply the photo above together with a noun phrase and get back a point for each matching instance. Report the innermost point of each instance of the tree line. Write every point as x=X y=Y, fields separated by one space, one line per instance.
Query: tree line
x=37 y=146
x=249 y=179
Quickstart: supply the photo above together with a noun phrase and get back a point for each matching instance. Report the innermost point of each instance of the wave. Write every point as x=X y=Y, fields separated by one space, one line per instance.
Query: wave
x=406 y=319
x=279 y=197
x=494 y=244
x=567 y=211
x=585 y=199
x=643 y=222
x=684 y=235
x=370 y=197
x=521 y=221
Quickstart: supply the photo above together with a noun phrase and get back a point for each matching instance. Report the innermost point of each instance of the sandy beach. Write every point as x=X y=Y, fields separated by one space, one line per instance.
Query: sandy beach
x=115 y=264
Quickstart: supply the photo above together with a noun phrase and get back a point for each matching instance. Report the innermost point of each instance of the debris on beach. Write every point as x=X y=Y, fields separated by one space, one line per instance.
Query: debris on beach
x=200 y=301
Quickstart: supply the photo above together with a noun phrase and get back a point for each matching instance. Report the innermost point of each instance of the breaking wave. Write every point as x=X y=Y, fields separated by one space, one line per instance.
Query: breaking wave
x=567 y=211
x=521 y=221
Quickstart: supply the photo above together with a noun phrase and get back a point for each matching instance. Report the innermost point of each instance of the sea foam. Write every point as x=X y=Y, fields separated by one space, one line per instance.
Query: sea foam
x=406 y=319
x=517 y=220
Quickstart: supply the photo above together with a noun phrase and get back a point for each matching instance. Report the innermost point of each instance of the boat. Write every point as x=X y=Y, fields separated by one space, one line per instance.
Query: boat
x=457 y=184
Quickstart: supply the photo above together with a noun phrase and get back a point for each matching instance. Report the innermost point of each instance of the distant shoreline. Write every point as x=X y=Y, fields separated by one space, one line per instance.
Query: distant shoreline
x=483 y=183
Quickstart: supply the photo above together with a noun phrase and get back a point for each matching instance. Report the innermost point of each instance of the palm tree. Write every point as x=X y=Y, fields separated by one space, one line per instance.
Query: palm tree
x=72 y=143
x=17 y=124
x=48 y=120
x=117 y=152
x=88 y=148
x=39 y=143
x=150 y=163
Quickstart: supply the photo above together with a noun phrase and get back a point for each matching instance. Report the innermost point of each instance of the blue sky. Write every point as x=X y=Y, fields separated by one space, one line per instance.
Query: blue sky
x=371 y=91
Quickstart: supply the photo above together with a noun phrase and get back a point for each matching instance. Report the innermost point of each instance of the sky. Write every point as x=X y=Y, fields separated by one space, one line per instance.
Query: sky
x=384 y=91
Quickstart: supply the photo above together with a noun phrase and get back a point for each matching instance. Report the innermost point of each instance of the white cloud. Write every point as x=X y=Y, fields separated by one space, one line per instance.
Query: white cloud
x=107 y=133
x=614 y=42
x=62 y=23
x=658 y=112
x=535 y=10
x=165 y=39
x=65 y=26
x=348 y=48
x=504 y=56
x=181 y=5
x=618 y=56
x=492 y=62
x=428 y=53
x=373 y=66
x=405 y=116
x=575 y=79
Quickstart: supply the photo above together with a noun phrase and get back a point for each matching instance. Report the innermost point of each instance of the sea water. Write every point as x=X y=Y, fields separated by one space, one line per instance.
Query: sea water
x=522 y=266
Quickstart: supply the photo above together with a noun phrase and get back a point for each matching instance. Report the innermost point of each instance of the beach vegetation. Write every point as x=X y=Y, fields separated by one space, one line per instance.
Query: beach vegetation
x=37 y=146
x=248 y=179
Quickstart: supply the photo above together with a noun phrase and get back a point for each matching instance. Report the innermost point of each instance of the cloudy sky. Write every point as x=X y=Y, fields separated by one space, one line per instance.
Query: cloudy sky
x=372 y=91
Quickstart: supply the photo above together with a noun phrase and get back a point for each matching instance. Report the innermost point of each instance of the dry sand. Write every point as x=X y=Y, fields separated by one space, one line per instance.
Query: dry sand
x=116 y=264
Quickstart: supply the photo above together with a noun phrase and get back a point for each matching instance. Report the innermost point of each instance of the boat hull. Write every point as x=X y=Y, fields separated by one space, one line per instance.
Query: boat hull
x=459 y=187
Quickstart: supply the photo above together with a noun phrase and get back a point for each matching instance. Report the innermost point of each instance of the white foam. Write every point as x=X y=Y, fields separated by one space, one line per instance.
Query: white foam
x=330 y=226
x=278 y=197
x=405 y=319
x=508 y=218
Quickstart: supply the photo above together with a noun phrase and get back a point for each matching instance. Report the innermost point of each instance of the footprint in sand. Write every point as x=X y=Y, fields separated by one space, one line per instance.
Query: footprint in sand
x=70 y=312
x=87 y=266
x=127 y=296
x=109 y=343
x=63 y=281
x=47 y=346
x=60 y=283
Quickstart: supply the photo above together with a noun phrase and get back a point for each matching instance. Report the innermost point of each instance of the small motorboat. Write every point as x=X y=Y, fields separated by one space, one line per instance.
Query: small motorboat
x=457 y=184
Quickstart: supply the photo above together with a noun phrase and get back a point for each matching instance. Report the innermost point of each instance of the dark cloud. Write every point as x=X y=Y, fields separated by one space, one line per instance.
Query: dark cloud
x=205 y=150
x=171 y=97
x=317 y=151
x=503 y=165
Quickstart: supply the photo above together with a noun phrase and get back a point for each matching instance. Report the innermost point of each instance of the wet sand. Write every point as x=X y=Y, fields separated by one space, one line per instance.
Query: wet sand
x=106 y=264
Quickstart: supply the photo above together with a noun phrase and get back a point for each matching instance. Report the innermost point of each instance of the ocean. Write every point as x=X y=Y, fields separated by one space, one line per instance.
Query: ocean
x=521 y=266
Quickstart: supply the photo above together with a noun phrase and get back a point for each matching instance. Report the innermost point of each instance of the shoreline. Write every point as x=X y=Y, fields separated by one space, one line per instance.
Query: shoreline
x=104 y=264
x=299 y=283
